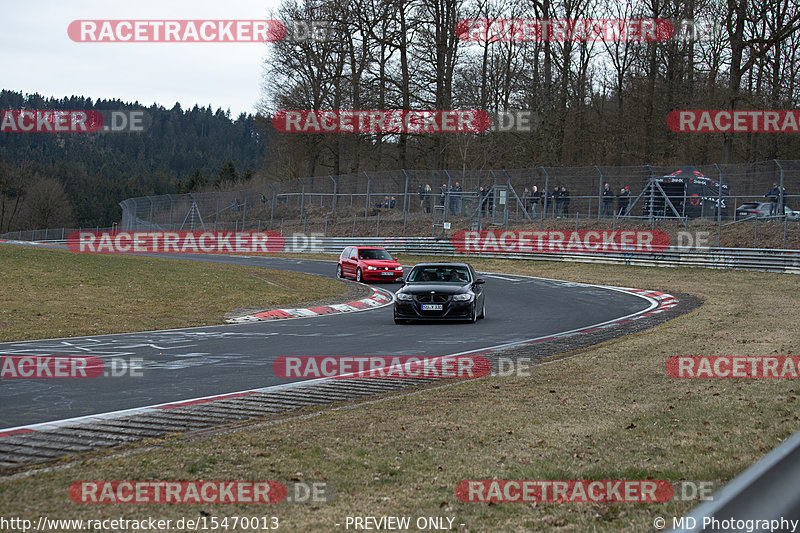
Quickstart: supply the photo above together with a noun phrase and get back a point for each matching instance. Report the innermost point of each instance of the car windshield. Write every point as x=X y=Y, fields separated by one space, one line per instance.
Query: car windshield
x=374 y=254
x=439 y=274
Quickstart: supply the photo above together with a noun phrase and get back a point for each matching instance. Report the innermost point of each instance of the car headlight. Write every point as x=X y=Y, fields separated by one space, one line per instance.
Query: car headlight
x=462 y=297
x=370 y=267
x=403 y=297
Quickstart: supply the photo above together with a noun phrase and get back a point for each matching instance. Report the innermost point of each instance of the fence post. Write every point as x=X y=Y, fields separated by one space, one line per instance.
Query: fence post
x=546 y=191
x=170 y=211
x=302 y=196
x=325 y=231
x=353 y=233
x=755 y=237
x=335 y=192
x=244 y=209
x=599 y=194
x=272 y=207
x=719 y=206
x=378 y=225
x=366 y=200
x=447 y=198
x=780 y=192
x=216 y=215
x=405 y=202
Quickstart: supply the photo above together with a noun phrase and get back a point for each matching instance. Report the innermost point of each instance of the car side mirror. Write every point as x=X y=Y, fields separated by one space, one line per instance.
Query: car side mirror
x=480 y=281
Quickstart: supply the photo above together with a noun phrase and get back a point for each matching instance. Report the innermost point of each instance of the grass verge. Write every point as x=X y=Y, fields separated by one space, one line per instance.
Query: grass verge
x=55 y=293
x=611 y=412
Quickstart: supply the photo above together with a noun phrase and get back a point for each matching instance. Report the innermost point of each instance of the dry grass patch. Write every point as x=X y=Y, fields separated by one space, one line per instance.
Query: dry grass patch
x=55 y=293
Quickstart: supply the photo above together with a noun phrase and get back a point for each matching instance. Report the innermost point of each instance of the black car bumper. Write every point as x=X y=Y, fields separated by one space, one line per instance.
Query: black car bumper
x=412 y=310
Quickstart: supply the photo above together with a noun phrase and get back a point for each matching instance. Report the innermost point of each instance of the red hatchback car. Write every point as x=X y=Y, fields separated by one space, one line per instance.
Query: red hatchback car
x=368 y=263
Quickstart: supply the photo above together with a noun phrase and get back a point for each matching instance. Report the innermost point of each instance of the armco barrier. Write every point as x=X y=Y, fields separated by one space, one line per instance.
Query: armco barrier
x=769 y=260
x=761 y=259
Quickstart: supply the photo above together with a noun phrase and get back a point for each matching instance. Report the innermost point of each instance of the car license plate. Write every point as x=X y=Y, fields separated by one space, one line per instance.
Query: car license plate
x=431 y=307
x=387 y=273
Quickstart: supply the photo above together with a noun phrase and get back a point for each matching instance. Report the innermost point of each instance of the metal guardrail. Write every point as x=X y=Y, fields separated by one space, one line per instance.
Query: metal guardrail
x=769 y=260
x=758 y=259
x=765 y=492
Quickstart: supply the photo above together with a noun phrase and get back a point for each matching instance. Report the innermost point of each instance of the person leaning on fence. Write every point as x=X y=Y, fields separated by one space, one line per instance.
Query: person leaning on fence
x=773 y=194
x=608 y=199
x=535 y=196
x=558 y=201
x=622 y=201
x=421 y=191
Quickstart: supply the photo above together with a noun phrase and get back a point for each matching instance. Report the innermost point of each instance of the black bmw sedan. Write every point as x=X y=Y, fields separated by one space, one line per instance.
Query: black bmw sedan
x=440 y=291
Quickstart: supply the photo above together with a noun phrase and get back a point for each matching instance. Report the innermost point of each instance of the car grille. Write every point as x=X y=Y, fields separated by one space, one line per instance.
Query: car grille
x=437 y=298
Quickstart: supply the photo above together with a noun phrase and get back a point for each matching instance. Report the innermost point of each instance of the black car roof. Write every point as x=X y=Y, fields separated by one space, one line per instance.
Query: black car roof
x=441 y=265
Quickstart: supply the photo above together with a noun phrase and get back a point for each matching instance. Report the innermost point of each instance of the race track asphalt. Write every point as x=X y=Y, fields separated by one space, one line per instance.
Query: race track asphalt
x=196 y=362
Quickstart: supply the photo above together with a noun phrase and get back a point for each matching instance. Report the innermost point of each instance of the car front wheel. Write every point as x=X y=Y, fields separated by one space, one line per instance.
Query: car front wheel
x=474 y=317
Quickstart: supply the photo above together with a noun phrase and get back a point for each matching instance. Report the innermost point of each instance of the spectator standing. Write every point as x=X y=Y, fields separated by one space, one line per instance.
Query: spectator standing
x=482 y=193
x=608 y=199
x=564 y=200
x=428 y=197
x=421 y=191
x=773 y=194
x=622 y=201
x=443 y=195
x=392 y=202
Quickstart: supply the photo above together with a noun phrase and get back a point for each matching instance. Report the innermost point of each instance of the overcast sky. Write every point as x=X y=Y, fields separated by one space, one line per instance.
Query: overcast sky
x=37 y=55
